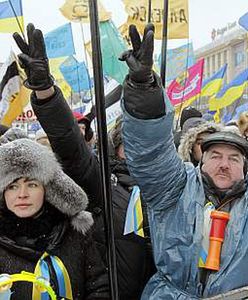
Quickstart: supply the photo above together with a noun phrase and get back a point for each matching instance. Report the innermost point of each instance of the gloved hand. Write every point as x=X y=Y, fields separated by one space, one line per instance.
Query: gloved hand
x=33 y=59
x=140 y=60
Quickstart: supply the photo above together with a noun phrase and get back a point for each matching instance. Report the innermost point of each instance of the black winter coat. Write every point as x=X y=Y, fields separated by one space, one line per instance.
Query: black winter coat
x=134 y=256
x=23 y=241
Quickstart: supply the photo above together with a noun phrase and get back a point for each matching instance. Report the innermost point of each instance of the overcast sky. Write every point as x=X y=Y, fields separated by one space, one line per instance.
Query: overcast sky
x=204 y=15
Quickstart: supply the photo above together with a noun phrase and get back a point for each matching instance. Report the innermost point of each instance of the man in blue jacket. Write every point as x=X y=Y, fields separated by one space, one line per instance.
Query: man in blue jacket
x=180 y=197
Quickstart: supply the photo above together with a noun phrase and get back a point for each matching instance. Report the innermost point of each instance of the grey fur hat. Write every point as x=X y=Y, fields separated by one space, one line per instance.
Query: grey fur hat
x=26 y=158
x=189 y=138
x=12 y=134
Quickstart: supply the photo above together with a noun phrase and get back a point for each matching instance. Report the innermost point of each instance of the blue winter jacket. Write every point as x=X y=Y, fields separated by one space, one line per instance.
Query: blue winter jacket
x=175 y=201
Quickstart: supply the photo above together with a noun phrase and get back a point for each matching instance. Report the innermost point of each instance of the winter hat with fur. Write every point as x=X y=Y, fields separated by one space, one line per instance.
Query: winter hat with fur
x=189 y=138
x=26 y=158
x=12 y=134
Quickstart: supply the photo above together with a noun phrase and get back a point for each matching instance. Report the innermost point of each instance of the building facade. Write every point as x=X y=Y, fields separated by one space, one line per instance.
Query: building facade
x=229 y=45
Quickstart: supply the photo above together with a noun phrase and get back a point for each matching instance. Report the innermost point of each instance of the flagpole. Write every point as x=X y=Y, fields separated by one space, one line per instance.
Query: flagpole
x=17 y=20
x=86 y=60
x=103 y=146
x=149 y=10
x=181 y=104
x=164 y=43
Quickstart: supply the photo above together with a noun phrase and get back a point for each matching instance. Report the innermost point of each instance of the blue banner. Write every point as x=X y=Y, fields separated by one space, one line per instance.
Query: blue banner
x=75 y=74
x=59 y=42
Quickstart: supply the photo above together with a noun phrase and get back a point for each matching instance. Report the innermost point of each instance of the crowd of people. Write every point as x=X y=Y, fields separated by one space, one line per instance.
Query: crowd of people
x=51 y=206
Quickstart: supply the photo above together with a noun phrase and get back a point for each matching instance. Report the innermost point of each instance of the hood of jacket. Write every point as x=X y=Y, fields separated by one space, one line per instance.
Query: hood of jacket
x=189 y=138
x=26 y=158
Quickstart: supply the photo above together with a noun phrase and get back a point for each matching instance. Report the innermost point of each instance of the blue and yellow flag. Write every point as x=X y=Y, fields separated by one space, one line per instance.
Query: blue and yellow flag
x=212 y=85
x=230 y=92
x=134 y=215
x=11 y=16
x=75 y=74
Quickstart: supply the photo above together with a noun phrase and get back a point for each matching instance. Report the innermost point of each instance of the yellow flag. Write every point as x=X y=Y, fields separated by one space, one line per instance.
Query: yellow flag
x=13 y=95
x=217 y=116
x=78 y=11
x=178 y=17
x=16 y=106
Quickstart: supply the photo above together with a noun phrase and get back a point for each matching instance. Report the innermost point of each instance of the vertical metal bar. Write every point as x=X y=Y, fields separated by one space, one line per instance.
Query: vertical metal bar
x=17 y=20
x=164 y=43
x=149 y=10
x=103 y=145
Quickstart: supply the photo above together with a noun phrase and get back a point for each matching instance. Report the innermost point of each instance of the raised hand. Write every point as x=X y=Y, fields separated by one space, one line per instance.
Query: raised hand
x=33 y=59
x=140 y=58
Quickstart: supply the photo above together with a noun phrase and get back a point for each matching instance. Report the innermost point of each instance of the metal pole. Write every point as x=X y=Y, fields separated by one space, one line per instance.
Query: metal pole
x=164 y=43
x=103 y=145
x=149 y=10
x=87 y=63
x=17 y=20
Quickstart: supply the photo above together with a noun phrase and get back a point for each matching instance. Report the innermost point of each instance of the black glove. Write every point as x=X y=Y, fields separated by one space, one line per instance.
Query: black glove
x=140 y=60
x=92 y=114
x=33 y=59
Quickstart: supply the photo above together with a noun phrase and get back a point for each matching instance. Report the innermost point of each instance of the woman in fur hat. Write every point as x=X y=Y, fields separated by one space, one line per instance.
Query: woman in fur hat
x=44 y=228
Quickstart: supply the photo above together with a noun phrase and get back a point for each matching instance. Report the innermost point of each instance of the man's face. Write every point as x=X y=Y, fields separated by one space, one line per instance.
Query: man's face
x=224 y=164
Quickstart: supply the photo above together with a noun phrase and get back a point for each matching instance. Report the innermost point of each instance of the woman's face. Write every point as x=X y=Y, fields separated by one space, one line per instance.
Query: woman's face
x=24 y=197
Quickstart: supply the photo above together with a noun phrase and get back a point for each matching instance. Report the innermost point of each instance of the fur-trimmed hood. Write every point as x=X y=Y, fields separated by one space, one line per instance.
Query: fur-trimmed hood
x=189 y=138
x=26 y=158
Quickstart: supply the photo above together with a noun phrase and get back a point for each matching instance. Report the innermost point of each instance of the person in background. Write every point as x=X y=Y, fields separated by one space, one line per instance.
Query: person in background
x=41 y=138
x=42 y=222
x=84 y=123
x=242 y=124
x=184 y=202
x=187 y=113
x=193 y=132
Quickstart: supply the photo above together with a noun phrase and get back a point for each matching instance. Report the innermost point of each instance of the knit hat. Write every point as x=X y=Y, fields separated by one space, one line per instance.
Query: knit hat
x=192 y=123
x=189 y=112
x=26 y=158
x=78 y=116
x=86 y=120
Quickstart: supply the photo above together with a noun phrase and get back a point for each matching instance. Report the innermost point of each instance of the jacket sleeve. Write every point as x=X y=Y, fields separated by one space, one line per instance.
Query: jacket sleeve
x=151 y=154
x=96 y=275
x=68 y=144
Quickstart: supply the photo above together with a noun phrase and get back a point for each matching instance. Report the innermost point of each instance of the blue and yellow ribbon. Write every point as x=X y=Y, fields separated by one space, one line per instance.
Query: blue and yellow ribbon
x=62 y=275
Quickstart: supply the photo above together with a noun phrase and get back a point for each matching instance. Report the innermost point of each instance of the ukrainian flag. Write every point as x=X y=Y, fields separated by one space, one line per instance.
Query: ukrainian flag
x=229 y=93
x=11 y=16
x=212 y=85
